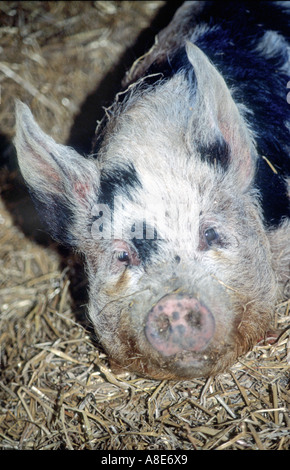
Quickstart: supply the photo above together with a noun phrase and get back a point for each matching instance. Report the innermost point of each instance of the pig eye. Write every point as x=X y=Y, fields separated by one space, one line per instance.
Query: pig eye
x=124 y=257
x=211 y=236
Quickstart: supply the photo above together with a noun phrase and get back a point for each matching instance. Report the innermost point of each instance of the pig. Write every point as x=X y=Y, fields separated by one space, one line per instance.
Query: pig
x=182 y=209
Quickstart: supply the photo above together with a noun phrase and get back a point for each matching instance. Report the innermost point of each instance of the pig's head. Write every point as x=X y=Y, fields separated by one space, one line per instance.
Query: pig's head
x=179 y=266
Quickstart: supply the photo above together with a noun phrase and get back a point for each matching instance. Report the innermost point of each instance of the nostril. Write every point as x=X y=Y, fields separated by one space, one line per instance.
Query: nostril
x=179 y=323
x=162 y=326
x=194 y=319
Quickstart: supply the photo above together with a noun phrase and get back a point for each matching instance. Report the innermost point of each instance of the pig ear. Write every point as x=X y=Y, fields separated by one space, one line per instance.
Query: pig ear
x=222 y=114
x=62 y=183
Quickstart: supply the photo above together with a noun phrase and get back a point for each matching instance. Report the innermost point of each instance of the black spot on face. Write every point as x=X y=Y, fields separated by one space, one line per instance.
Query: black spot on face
x=145 y=248
x=124 y=178
x=215 y=153
x=175 y=315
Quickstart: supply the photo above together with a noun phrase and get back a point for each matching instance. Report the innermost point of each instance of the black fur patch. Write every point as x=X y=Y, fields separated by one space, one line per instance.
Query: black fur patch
x=57 y=217
x=146 y=247
x=121 y=177
x=215 y=153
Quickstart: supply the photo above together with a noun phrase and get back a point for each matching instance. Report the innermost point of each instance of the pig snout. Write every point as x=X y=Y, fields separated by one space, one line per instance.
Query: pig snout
x=179 y=323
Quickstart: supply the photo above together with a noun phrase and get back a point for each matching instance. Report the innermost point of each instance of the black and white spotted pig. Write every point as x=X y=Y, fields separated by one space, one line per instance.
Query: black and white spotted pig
x=182 y=209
